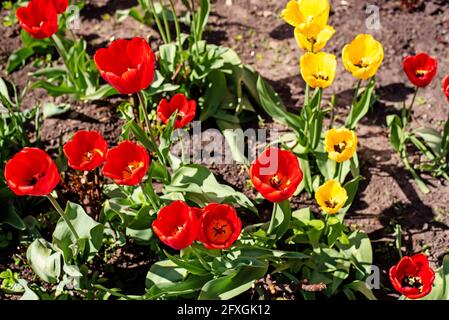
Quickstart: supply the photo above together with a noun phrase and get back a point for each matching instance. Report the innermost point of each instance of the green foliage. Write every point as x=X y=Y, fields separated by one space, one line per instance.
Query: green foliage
x=78 y=77
x=308 y=139
x=432 y=144
x=197 y=184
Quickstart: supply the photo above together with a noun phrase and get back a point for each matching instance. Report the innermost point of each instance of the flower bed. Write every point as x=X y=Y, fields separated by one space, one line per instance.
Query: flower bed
x=154 y=189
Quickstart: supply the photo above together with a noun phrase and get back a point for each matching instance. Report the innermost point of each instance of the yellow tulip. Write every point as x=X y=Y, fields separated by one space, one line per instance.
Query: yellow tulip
x=318 y=69
x=309 y=16
x=315 y=42
x=363 y=56
x=340 y=144
x=331 y=196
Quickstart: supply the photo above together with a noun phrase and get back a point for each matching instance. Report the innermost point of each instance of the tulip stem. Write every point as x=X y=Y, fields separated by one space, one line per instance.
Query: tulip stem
x=63 y=215
x=167 y=27
x=64 y=56
x=178 y=29
x=144 y=110
x=150 y=136
x=307 y=95
x=158 y=22
x=409 y=110
x=200 y=258
x=149 y=197
x=340 y=171
x=356 y=93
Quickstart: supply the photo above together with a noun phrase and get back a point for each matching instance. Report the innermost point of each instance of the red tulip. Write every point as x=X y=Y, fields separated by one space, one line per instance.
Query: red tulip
x=31 y=172
x=420 y=69
x=412 y=276
x=446 y=87
x=198 y=212
x=61 y=5
x=86 y=151
x=127 y=163
x=128 y=65
x=219 y=226
x=276 y=174
x=39 y=18
x=176 y=225
x=186 y=110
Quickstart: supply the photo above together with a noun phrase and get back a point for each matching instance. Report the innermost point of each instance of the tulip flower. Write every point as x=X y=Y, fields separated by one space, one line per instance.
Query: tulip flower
x=219 y=226
x=363 y=56
x=39 y=18
x=318 y=69
x=340 y=144
x=127 y=163
x=446 y=87
x=331 y=196
x=420 y=69
x=86 y=151
x=60 y=5
x=128 y=65
x=308 y=16
x=186 y=110
x=315 y=42
x=276 y=174
x=31 y=172
x=176 y=225
x=412 y=276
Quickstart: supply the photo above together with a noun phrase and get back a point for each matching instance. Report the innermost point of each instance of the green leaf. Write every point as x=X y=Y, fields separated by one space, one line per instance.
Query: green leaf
x=361 y=108
x=265 y=253
x=192 y=266
x=103 y=92
x=187 y=288
x=423 y=148
x=360 y=286
x=89 y=231
x=50 y=109
x=53 y=90
x=431 y=137
x=10 y=216
x=167 y=137
x=234 y=136
x=167 y=54
x=326 y=166
x=201 y=187
x=314 y=234
x=50 y=73
x=396 y=132
x=18 y=58
x=233 y=284
x=445 y=139
x=215 y=92
x=202 y=17
x=360 y=252
x=45 y=260
x=351 y=189
x=316 y=128
x=28 y=294
x=280 y=219
x=272 y=104
x=164 y=272
x=307 y=174
x=4 y=92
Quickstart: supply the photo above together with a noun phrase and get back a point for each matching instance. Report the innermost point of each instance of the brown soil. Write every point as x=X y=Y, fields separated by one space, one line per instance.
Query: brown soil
x=388 y=195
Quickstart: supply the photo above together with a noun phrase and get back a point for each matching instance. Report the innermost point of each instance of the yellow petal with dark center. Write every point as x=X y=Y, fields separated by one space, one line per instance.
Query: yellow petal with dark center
x=340 y=144
x=318 y=69
x=363 y=56
x=331 y=196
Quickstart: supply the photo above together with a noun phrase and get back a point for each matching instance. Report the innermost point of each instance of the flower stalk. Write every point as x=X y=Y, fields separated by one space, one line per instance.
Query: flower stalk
x=58 y=208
